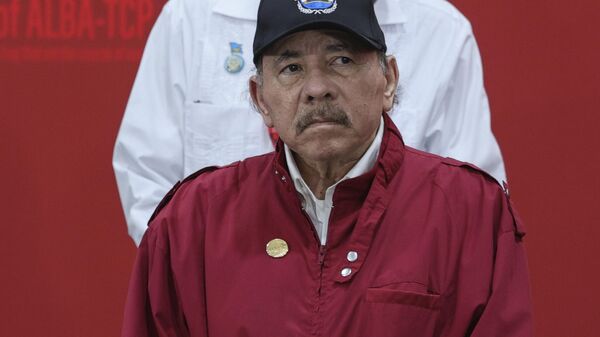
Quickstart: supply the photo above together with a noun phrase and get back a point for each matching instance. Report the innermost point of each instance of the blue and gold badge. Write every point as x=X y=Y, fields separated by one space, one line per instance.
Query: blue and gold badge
x=317 y=6
x=234 y=63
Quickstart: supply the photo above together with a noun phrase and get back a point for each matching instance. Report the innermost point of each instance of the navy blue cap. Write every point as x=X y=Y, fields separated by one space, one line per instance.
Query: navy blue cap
x=279 y=18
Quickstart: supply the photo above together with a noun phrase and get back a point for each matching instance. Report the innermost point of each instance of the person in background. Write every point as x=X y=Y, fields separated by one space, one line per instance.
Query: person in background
x=342 y=231
x=189 y=106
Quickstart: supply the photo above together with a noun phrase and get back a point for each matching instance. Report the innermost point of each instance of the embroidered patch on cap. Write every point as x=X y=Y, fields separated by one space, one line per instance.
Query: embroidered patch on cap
x=317 y=6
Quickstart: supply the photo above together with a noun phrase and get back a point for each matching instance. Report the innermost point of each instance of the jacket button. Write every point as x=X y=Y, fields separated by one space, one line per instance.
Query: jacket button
x=346 y=272
x=352 y=256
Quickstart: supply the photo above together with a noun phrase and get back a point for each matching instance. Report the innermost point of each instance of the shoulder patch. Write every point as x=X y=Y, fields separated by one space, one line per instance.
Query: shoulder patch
x=165 y=200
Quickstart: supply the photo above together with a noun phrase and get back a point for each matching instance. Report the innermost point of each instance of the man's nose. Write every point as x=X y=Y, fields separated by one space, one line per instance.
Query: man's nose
x=318 y=87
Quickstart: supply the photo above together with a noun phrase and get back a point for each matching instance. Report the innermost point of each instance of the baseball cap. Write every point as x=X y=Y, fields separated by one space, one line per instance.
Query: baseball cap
x=279 y=18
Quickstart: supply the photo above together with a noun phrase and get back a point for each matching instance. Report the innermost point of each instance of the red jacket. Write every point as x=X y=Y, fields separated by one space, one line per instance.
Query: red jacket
x=439 y=254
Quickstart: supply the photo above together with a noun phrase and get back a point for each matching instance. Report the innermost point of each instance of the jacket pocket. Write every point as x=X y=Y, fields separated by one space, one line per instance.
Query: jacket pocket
x=401 y=309
x=393 y=296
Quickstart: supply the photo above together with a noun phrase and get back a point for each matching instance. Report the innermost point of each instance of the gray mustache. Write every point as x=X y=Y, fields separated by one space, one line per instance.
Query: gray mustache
x=323 y=113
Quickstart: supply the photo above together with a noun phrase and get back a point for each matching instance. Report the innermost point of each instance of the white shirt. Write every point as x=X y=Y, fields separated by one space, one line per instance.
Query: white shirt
x=319 y=210
x=186 y=111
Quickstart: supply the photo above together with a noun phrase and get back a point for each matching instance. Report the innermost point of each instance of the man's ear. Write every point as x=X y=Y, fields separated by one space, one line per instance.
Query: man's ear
x=392 y=77
x=255 y=86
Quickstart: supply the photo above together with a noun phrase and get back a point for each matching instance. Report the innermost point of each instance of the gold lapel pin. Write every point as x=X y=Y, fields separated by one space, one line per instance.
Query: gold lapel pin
x=277 y=248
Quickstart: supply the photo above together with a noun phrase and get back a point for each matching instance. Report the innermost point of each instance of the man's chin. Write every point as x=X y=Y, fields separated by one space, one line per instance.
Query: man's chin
x=323 y=149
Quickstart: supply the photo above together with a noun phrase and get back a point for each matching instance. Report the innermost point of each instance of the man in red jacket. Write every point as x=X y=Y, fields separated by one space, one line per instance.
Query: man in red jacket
x=342 y=231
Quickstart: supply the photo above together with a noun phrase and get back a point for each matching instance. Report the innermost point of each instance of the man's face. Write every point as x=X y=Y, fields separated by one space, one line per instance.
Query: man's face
x=324 y=92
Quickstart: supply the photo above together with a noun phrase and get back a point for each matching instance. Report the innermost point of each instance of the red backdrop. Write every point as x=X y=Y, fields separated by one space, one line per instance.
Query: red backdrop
x=66 y=68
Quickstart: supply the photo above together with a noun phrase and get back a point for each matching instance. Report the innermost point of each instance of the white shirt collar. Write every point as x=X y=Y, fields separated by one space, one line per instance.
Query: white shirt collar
x=319 y=210
x=388 y=11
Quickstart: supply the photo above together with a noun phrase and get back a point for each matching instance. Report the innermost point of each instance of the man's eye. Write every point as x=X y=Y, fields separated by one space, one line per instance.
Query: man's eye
x=342 y=60
x=292 y=68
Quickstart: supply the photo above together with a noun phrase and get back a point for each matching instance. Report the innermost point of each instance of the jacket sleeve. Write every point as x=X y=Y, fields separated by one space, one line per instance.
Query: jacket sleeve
x=148 y=154
x=152 y=308
x=463 y=112
x=508 y=310
x=165 y=299
x=491 y=294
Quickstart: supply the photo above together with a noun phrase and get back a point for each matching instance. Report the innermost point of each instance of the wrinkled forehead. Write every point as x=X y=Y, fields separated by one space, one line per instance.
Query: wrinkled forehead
x=317 y=41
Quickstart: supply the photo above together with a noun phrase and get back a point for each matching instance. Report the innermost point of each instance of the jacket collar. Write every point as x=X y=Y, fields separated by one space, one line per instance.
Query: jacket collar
x=372 y=195
x=388 y=11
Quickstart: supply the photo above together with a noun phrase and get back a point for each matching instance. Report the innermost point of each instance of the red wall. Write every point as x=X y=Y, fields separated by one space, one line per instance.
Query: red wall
x=65 y=256
x=543 y=79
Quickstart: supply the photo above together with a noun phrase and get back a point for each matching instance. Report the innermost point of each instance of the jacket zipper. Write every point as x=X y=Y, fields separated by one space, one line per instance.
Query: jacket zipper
x=322 y=250
x=321 y=261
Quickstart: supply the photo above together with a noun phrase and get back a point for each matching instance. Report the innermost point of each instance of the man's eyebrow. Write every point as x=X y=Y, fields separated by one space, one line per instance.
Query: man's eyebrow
x=287 y=54
x=337 y=47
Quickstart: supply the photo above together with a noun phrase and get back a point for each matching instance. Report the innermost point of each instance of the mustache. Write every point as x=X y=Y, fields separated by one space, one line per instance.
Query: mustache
x=323 y=113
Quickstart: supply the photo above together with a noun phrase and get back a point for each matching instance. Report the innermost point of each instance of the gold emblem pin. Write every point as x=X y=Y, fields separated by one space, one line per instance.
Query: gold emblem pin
x=277 y=248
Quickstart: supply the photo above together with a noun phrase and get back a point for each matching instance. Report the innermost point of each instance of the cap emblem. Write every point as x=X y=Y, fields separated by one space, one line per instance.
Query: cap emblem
x=317 y=6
